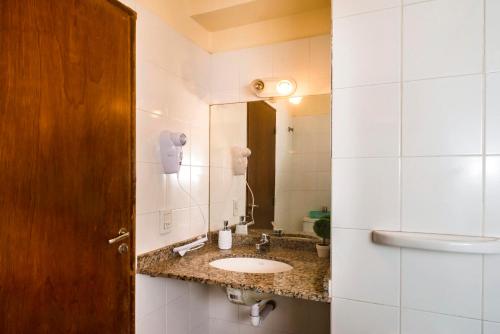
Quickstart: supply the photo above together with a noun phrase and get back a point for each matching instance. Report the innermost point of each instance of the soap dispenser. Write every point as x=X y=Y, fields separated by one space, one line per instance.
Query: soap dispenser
x=225 y=237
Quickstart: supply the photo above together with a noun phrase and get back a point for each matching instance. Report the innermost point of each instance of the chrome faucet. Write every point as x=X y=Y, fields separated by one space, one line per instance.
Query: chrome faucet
x=264 y=244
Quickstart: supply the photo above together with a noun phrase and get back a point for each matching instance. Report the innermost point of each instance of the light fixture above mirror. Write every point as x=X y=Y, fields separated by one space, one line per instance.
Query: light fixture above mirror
x=273 y=87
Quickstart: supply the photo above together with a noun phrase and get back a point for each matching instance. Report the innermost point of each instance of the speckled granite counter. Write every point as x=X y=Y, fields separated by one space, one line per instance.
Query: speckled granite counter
x=306 y=280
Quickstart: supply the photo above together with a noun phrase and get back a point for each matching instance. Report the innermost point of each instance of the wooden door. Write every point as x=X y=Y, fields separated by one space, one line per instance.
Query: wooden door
x=261 y=122
x=66 y=166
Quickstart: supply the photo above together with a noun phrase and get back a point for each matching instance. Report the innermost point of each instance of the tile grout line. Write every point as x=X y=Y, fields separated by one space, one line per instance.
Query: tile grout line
x=417 y=310
x=450 y=76
x=381 y=9
x=483 y=180
x=401 y=88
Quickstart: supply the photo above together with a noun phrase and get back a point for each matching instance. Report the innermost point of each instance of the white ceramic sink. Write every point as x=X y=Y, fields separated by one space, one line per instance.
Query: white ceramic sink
x=251 y=265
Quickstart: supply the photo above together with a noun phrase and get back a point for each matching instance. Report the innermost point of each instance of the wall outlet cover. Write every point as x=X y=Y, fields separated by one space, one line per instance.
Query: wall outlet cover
x=165 y=220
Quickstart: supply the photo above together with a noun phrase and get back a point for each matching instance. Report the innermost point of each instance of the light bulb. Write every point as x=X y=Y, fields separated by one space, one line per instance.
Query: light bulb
x=295 y=99
x=284 y=87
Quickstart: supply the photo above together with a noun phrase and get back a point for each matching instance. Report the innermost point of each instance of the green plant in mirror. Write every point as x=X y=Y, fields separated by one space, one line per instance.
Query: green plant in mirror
x=322 y=229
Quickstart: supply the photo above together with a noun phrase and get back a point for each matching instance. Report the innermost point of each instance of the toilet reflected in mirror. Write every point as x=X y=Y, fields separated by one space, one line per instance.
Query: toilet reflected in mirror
x=286 y=185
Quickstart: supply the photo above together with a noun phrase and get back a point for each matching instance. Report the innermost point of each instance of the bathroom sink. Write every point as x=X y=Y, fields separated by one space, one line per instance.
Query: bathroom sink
x=251 y=265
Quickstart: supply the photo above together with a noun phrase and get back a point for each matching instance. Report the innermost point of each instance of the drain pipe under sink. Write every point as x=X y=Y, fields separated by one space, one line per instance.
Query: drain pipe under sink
x=259 y=311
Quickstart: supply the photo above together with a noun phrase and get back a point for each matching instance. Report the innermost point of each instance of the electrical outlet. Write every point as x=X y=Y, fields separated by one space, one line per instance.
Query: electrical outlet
x=235 y=208
x=165 y=220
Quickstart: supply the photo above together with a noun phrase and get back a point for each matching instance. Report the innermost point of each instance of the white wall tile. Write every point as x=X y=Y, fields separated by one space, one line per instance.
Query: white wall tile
x=176 y=198
x=219 y=307
x=442 y=195
x=151 y=83
x=492 y=287
x=491 y=327
x=178 y=316
x=255 y=63
x=352 y=317
x=367 y=121
x=198 y=306
x=368 y=265
x=492 y=197
x=150 y=187
x=443 y=116
x=199 y=221
x=417 y=322
x=376 y=34
x=152 y=323
x=447 y=283
x=350 y=7
x=147 y=233
x=148 y=128
x=442 y=38
x=151 y=293
x=320 y=56
x=180 y=225
x=492 y=35
x=150 y=30
x=225 y=71
x=493 y=113
x=292 y=59
x=176 y=289
x=200 y=145
x=199 y=185
x=366 y=193
x=217 y=326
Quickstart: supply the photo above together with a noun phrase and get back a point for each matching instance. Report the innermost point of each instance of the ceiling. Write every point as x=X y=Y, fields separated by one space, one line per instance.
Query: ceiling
x=216 y=15
x=222 y=25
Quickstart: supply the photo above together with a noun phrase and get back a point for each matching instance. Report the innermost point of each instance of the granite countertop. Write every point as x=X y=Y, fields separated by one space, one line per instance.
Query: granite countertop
x=307 y=280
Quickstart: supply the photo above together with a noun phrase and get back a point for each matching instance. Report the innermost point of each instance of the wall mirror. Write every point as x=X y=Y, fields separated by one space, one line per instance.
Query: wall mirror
x=285 y=182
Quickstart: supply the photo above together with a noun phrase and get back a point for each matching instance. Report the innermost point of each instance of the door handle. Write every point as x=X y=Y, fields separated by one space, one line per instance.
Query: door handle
x=122 y=234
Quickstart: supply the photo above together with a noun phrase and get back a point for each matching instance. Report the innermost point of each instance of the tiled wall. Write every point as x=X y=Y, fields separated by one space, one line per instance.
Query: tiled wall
x=228 y=128
x=291 y=316
x=172 y=93
x=416 y=141
x=303 y=160
x=169 y=306
x=283 y=164
x=306 y=60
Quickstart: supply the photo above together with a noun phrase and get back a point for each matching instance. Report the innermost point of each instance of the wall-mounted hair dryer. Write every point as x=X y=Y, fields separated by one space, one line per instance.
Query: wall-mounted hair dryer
x=239 y=157
x=171 y=150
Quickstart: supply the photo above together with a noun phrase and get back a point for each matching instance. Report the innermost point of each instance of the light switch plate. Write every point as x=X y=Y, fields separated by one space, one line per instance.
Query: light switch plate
x=165 y=220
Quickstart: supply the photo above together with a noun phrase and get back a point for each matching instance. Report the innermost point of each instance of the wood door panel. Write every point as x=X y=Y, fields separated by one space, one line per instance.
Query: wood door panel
x=66 y=166
x=261 y=123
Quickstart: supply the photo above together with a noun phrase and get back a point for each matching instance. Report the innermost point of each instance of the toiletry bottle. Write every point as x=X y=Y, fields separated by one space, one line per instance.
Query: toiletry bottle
x=242 y=227
x=225 y=237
